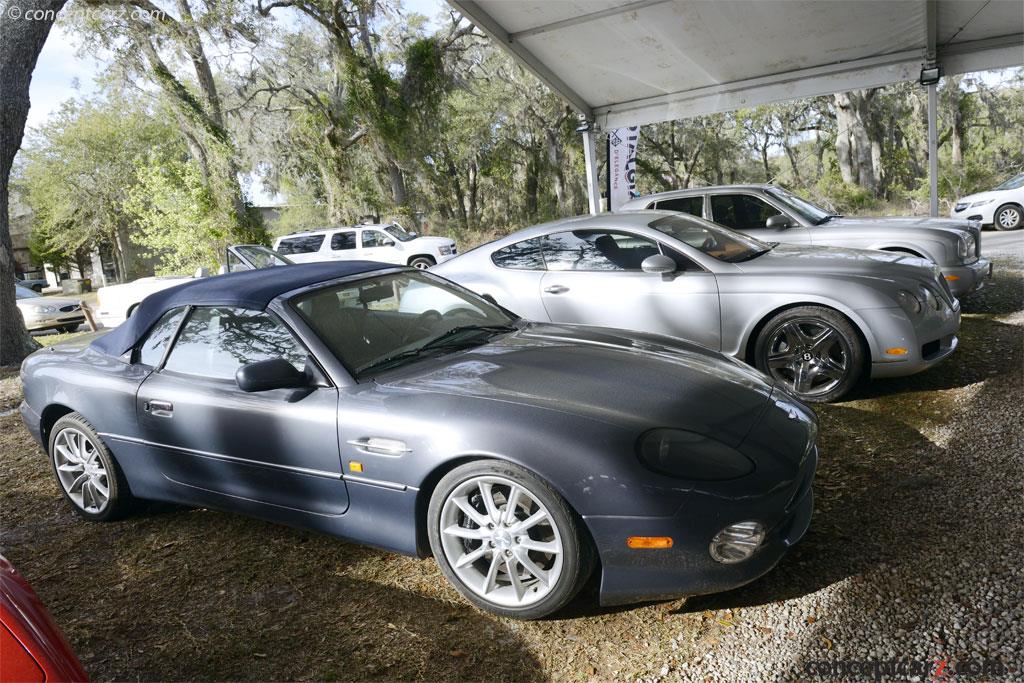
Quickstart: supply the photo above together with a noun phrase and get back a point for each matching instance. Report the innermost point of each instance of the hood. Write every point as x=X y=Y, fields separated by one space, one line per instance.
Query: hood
x=54 y=301
x=805 y=260
x=889 y=223
x=992 y=196
x=430 y=239
x=632 y=380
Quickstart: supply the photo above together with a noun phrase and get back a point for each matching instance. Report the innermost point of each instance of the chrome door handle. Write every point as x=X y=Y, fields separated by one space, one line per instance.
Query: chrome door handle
x=556 y=289
x=380 y=446
x=159 y=408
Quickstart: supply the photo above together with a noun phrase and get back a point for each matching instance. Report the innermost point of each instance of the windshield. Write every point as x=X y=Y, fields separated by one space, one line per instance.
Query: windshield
x=810 y=212
x=1012 y=183
x=381 y=322
x=714 y=240
x=24 y=293
x=261 y=257
x=399 y=233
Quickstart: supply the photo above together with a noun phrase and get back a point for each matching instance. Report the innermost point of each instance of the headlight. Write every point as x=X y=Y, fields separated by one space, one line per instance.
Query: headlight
x=687 y=455
x=966 y=246
x=445 y=250
x=42 y=309
x=908 y=302
x=983 y=202
x=736 y=542
x=930 y=297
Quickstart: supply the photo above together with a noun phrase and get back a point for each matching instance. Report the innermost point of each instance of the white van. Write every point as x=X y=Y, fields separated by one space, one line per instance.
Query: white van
x=387 y=243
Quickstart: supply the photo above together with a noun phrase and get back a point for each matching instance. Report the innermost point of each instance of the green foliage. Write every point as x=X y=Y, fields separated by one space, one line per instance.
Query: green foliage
x=177 y=216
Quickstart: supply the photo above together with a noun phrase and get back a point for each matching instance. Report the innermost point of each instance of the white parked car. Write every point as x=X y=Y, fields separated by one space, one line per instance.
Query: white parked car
x=1002 y=207
x=48 y=312
x=387 y=243
x=117 y=302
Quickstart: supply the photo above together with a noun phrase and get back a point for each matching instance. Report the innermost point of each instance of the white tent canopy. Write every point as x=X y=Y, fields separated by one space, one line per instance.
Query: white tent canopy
x=629 y=62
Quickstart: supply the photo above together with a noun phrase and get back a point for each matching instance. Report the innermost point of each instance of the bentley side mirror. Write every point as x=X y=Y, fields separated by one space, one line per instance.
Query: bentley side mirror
x=264 y=375
x=659 y=264
x=778 y=222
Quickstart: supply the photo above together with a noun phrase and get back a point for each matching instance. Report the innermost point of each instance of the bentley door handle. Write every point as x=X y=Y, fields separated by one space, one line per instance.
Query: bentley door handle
x=556 y=289
x=159 y=408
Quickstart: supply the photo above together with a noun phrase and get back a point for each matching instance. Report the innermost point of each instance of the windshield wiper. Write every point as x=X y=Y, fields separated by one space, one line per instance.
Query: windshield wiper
x=441 y=342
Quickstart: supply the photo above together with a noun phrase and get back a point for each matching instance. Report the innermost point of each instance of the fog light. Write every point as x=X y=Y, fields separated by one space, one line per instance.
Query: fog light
x=737 y=542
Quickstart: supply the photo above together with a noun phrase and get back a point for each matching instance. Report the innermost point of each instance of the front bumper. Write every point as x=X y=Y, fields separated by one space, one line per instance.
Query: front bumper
x=968 y=278
x=32 y=422
x=928 y=340
x=632 y=575
x=54 y=321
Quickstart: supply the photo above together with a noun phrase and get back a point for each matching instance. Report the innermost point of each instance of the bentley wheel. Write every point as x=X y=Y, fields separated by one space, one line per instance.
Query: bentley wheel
x=506 y=540
x=1008 y=217
x=86 y=471
x=814 y=351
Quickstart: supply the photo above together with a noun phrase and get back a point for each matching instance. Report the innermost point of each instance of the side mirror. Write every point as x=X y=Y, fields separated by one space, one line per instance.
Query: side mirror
x=389 y=243
x=778 y=222
x=659 y=264
x=276 y=373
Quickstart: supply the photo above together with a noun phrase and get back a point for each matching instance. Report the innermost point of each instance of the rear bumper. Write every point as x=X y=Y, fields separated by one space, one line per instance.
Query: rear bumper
x=687 y=568
x=968 y=278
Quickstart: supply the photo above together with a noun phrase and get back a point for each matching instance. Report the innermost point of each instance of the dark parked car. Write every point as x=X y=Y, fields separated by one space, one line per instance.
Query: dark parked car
x=389 y=406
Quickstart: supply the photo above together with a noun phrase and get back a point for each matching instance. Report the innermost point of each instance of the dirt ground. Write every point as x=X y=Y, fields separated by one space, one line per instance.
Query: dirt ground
x=178 y=594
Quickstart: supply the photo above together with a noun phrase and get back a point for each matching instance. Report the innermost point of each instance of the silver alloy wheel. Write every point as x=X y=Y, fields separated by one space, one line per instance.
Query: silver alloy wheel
x=1008 y=217
x=809 y=355
x=501 y=541
x=80 y=470
x=421 y=264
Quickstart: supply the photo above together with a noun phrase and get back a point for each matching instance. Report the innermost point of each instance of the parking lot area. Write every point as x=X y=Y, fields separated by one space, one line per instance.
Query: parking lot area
x=914 y=551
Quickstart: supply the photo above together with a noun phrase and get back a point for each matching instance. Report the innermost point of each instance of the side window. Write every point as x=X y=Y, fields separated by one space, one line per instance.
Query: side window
x=152 y=349
x=740 y=211
x=343 y=240
x=525 y=255
x=215 y=341
x=235 y=264
x=300 y=245
x=597 y=250
x=691 y=205
x=375 y=238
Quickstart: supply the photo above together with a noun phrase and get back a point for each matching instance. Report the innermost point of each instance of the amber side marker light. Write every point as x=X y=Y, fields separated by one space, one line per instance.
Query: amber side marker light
x=649 y=541
x=355 y=466
x=952 y=278
x=896 y=351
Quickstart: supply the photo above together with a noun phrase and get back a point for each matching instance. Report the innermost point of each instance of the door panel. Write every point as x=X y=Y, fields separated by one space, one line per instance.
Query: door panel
x=685 y=305
x=747 y=214
x=374 y=246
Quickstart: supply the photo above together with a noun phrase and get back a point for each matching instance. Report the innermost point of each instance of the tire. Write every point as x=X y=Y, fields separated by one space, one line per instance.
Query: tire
x=422 y=262
x=1008 y=217
x=67 y=329
x=490 y=549
x=794 y=349
x=70 y=435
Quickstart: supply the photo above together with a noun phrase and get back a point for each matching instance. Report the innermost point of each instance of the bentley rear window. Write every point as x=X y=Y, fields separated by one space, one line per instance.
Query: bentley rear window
x=525 y=255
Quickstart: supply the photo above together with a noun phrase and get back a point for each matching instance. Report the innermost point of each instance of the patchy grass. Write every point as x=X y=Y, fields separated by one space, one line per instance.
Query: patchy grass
x=178 y=593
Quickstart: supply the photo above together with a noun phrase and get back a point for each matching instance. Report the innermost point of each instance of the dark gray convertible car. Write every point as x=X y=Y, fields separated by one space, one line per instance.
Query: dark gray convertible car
x=519 y=454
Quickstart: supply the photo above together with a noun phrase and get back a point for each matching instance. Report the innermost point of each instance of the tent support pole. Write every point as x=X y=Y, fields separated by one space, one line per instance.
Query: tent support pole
x=933 y=151
x=593 y=184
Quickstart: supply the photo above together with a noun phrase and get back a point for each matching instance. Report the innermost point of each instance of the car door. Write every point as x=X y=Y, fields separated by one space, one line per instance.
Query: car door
x=594 y=277
x=232 y=448
x=748 y=213
x=343 y=245
x=376 y=245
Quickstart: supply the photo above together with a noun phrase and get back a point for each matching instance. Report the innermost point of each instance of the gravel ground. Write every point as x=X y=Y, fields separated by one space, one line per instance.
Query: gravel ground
x=913 y=551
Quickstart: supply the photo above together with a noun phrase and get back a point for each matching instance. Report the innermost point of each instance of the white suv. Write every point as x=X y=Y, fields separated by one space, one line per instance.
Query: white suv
x=387 y=243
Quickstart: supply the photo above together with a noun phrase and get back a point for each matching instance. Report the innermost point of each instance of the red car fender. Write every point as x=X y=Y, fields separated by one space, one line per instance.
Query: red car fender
x=32 y=648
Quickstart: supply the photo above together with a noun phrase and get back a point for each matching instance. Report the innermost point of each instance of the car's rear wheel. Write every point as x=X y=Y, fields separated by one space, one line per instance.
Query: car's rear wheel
x=506 y=540
x=1008 y=217
x=87 y=472
x=814 y=351
x=422 y=262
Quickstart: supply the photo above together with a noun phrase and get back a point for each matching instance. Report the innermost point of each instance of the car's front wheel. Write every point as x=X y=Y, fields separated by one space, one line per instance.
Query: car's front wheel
x=1008 y=217
x=86 y=470
x=506 y=540
x=812 y=350
x=422 y=262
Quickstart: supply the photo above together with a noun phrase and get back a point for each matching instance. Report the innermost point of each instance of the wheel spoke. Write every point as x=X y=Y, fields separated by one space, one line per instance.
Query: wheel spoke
x=832 y=368
x=513 y=577
x=464 y=532
x=79 y=482
x=71 y=467
x=487 y=491
x=530 y=566
x=802 y=378
x=492 y=573
x=471 y=557
x=549 y=547
x=65 y=452
x=793 y=332
x=510 y=506
x=780 y=360
x=470 y=511
x=824 y=337
x=100 y=488
x=532 y=521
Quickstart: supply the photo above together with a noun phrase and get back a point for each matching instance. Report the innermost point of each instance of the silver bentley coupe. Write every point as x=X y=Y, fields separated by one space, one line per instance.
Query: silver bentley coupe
x=774 y=214
x=813 y=318
x=388 y=406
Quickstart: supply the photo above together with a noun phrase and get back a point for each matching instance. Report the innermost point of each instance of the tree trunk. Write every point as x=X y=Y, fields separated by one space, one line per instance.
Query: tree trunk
x=19 y=49
x=855 y=148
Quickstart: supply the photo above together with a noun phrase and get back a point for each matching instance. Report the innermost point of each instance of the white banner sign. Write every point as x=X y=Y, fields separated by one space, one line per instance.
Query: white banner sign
x=622 y=144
